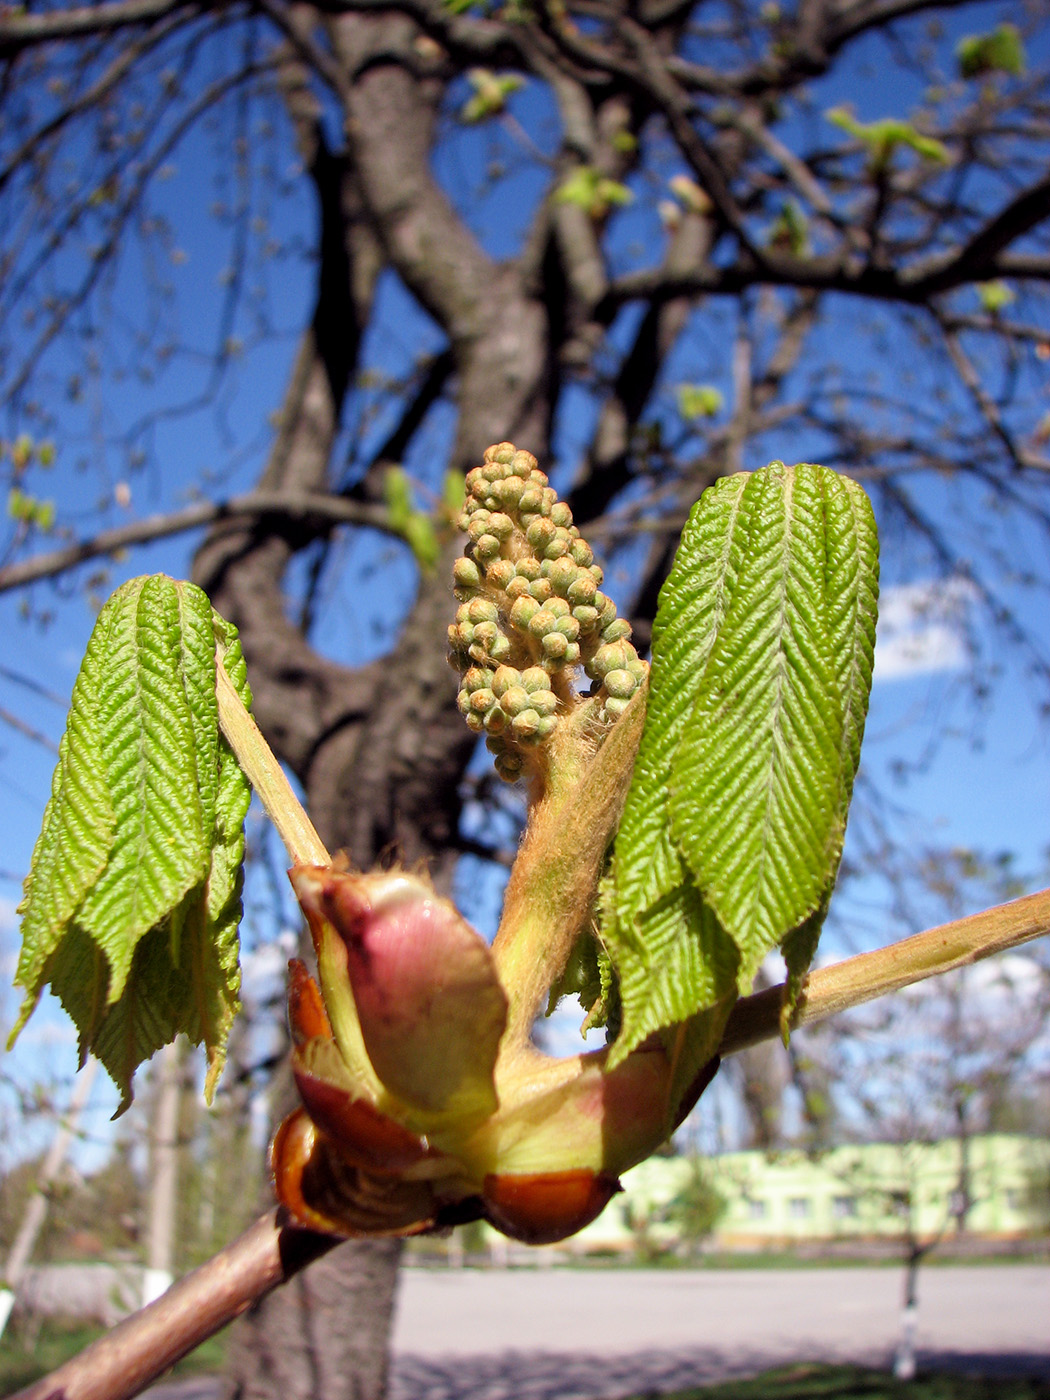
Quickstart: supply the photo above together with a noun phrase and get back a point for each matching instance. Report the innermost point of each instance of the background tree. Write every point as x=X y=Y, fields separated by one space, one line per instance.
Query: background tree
x=651 y=242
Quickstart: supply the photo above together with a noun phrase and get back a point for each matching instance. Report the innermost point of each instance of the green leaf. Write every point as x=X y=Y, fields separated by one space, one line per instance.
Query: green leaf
x=216 y=964
x=134 y=896
x=1000 y=51
x=421 y=538
x=692 y=609
x=790 y=230
x=755 y=786
x=74 y=841
x=414 y=526
x=453 y=492
x=591 y=191
x=699 y=400
x=491 y=91
x=732 y=829
x=885 y=136
x=397 y=492
x=995 y=296
x=670 y=956
x=146 y=733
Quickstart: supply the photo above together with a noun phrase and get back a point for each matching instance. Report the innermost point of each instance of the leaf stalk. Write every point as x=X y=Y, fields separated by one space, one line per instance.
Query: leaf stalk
x=267 y=777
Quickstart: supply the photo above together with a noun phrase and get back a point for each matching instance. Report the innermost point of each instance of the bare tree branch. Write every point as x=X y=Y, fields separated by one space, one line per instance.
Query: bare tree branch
x=275 y=507
x=26 y=30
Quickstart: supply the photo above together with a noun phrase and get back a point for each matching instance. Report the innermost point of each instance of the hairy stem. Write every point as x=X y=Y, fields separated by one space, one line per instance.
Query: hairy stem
x=142 y=1347
x=869 y=975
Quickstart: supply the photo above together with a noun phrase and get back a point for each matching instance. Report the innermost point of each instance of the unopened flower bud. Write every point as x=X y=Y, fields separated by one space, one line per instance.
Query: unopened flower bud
x=540 y=533
x=504 y=678
x=516 y=699
x=616 y=631
x=542 y=622
x=499 y=573
x=524 y=610
x=495 y=720
x=581 y=589
x=466 y=573
x=562 y=574
x=613 y=656
x=508 y=766
x=621 y=685
x=525 y=725
x=481 y=610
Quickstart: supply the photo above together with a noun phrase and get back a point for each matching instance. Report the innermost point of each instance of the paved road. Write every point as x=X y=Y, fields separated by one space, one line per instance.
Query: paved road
x=596 y=1335
x=472 y=1335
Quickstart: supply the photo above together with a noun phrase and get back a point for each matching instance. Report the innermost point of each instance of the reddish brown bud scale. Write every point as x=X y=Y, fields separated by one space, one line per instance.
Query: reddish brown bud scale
x=325 y=1192
x=545 y=1207
x=307 y=1018
x=366 y=1137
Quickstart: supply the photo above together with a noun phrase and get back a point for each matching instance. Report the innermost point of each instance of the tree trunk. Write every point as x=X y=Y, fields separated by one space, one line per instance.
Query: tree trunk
x=323 y=1334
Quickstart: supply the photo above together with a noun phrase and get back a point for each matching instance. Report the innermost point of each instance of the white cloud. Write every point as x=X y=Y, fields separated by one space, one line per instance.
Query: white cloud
x=922 y=628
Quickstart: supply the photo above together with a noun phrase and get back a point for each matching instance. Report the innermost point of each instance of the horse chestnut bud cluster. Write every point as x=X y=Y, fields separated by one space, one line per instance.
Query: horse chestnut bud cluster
x=531 y=613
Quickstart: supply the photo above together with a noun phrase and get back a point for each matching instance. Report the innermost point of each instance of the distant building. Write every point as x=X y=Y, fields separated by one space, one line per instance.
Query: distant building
x=866 y=1192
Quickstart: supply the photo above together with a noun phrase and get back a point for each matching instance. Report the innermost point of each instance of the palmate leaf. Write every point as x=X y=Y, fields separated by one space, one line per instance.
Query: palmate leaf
x=146 y=739
x=140 y=941
x=733 y=827
x=755 y=787
x=653 y=921
x=74 y=840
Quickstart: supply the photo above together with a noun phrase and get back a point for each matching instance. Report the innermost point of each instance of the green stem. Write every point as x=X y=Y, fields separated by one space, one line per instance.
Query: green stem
x=832 y=990
x=266 y=776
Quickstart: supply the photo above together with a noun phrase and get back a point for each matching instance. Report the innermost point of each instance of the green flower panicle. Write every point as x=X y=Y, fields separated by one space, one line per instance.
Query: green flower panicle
x=531 y=615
